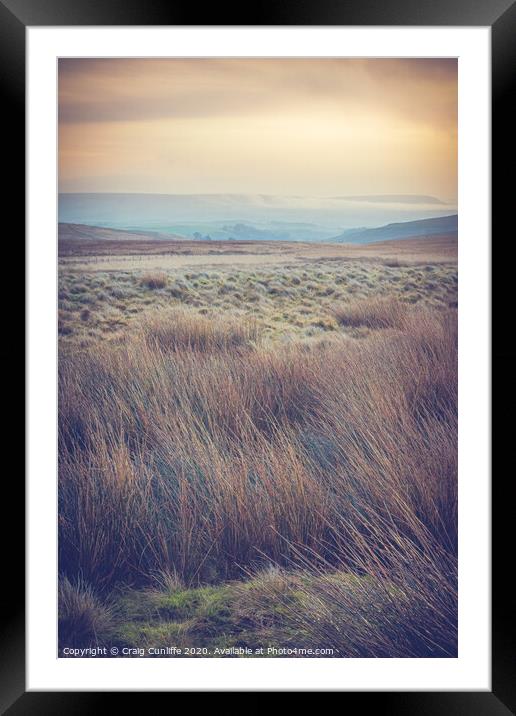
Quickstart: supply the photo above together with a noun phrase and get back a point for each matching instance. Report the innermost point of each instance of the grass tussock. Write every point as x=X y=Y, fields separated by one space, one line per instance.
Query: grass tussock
x=83 y=618
x=378 y=312
x=181 y=329
x=153 y=280
x=180 y=453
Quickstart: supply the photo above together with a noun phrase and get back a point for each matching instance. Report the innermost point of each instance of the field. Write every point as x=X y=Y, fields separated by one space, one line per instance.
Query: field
x=258 y=448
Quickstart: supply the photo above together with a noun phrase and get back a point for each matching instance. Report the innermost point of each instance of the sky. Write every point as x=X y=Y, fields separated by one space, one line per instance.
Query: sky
x=303 y=127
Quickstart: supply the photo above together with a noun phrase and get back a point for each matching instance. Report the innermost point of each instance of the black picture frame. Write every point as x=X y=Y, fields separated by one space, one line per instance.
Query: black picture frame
x=500 y=15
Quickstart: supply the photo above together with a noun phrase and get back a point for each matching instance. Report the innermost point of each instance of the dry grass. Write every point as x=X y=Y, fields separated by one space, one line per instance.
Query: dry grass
x=213 y=423
x=83 y=618
x=291 y=301
x=183 y=329
x=156 y=279
x=377 y=312
x=197 y=450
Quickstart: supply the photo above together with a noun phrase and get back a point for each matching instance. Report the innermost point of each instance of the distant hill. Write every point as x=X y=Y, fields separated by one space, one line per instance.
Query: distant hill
x=403 y=230
x=252 y=217
x=71 y=232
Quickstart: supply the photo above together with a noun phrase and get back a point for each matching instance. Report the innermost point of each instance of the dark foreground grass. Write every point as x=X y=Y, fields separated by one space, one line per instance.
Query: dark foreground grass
x=273 y=614
x=197 y=451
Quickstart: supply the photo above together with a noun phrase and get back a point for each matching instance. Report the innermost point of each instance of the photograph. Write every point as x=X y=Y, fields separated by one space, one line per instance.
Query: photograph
x=257 y=319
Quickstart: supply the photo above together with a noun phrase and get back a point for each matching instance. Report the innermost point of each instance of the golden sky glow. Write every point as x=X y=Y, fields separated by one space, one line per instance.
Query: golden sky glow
x=315 y=127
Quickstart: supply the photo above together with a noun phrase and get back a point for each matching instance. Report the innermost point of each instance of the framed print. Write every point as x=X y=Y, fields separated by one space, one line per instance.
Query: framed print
x=258 y=366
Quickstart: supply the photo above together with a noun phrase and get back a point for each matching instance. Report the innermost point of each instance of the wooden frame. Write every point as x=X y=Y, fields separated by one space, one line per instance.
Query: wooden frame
x=15 y=16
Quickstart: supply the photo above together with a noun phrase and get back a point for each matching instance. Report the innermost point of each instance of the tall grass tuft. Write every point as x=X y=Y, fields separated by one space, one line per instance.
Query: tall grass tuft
x=376 y=312
x=83 y=618
x=183 y=329
x=154 y=279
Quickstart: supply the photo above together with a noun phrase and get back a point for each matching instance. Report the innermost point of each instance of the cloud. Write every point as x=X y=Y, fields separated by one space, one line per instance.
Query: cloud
x=99 y=90
x=307 y=126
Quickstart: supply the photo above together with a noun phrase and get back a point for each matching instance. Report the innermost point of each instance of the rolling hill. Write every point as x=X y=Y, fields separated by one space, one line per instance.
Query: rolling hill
x=71 y=232
x=250 y=217
x=401 y=230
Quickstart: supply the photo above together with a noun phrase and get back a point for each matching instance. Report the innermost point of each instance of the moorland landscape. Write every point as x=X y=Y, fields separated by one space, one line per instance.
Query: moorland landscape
x=260 y=454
